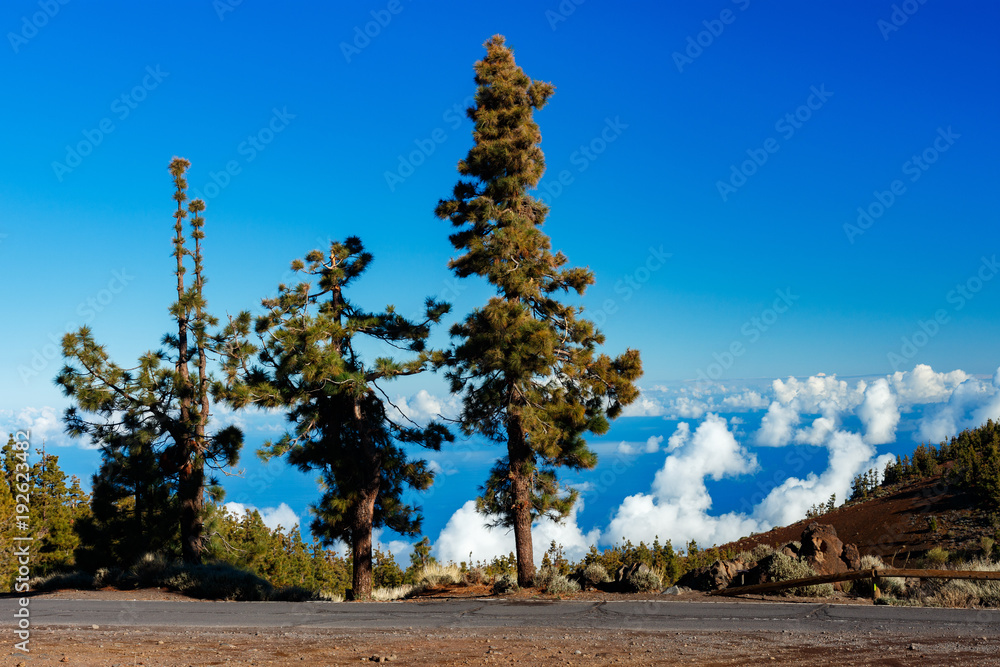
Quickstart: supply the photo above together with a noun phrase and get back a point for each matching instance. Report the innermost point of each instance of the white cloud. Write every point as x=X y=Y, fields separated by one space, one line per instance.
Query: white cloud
x=778 y=426
x=684 y=407
x=819 y=394
x=424 y=407
x=273 y=517
x=923 y=385
x=680 y=436
x=43 y=424
x=747 y=401
x=644 y=406
x=625 y=448
x=816 y=434
x=677 y=507
x=466 y=533
x=849 y=456
x=970 y=405
x=879 y=413
x=653 y=443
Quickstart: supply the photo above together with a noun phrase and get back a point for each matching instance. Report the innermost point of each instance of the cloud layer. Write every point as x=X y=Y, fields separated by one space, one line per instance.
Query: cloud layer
x=811 y=412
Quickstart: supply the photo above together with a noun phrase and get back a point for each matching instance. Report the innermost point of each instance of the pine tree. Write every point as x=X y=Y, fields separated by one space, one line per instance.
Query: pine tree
x=134 y=506
x=52 y=516
x=527 y=364
x=8 y=560
x=167 y=394
x=309 y=363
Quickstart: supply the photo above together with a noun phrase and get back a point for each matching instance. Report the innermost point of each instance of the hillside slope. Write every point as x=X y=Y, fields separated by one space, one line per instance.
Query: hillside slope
x=899 y=525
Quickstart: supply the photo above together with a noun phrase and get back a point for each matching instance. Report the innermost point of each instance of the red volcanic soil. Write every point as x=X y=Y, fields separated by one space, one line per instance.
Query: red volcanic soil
x=897 y=525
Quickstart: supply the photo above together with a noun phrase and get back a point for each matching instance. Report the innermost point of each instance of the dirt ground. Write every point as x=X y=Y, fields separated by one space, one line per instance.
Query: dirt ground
x=513 y=646
x=154 y=647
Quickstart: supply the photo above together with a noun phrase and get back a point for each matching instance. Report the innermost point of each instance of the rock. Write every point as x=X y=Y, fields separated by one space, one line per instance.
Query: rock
x=673 y=590
x=793 y=548
x=716 y=576
x=821 y=548
x=851 y=557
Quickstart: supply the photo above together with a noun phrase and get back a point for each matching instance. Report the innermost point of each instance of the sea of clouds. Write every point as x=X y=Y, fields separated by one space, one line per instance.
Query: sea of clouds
x=709 y=442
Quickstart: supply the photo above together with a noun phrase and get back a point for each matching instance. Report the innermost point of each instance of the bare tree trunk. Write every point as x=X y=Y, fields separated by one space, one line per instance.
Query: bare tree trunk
x=191 y=493
x=519 y=455
x=364 y=516
x=361 y=534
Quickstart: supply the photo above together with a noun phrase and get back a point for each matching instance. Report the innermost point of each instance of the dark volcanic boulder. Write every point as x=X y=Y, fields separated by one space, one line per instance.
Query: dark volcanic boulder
x=821 y=548
x=851 y=557
x=713 y=577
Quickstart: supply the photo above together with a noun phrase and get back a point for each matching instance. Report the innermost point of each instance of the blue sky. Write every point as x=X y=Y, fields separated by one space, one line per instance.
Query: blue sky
x=707 y=161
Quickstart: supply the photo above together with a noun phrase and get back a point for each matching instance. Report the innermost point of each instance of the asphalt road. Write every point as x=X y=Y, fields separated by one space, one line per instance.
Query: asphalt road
x=646 y=615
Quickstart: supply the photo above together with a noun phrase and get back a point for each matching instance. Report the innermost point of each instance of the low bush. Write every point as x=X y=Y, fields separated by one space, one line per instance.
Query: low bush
x=388 y=594
x=781 y=567
x=937 y=556
x=551 y=581
x=62 y=580
x=594 y=574
x=645 y=581
x=435 y=574
x=505 y=584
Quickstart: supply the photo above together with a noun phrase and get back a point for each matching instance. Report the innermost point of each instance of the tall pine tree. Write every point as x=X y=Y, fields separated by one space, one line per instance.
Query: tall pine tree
x=168 y=394
x=309 y=361
x=528 y=364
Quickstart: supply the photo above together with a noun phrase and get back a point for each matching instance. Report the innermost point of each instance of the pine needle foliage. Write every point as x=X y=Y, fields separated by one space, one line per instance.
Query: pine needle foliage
x=526 y=364
x=166 y=398
x=305 y=359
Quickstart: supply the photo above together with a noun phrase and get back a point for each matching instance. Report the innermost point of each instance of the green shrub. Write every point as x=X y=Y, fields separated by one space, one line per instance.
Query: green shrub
x=107 y=576
x=390 y=593
x=474 y=576
x=892 y=586
x=645 y=580
x=781 y=567
x=148 y=571
x=560 y=584
x=550 y=580
x=595 y=574
x=987 y=545
x=62 y=580
x=505 y=584
x=937 y=556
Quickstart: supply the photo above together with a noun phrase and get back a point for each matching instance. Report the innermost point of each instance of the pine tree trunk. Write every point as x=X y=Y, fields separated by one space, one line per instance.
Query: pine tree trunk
x=191 y=493
x=519 y=456
x=361 y=580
